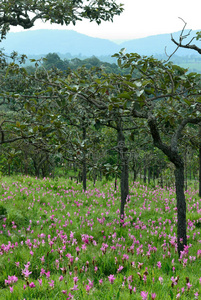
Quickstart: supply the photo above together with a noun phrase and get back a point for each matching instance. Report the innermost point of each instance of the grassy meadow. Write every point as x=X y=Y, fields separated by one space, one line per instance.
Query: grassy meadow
x=58 y=242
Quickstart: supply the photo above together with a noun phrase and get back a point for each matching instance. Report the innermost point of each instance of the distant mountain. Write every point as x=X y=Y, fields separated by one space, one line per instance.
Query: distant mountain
x=42 y=42
x=158 y=44
x=61 y=41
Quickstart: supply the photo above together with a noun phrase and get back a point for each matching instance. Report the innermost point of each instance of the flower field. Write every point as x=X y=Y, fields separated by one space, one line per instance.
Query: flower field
x=58 y=242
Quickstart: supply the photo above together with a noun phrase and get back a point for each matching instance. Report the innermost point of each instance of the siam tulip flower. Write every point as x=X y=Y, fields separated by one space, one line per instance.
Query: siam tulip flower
x=75 y=279
x=120 y=269
x=32 y=285
x=70 y=296
x=153 y=296
x=130 y=288
x=64 y=292
x=51 y=283
x=188 y=285
x=47 y=274
x=11 y=289
x=160 y=279
x=74 y=288
x=100 y=281
x=40 y=281
x=88 y=288
x=42 y=259
x=95 y=269
x=144 y=295
x=91 y=283
x=26 y=273
x=61 y=278
x=196 y=295
x=159 y=264
x=111 y=279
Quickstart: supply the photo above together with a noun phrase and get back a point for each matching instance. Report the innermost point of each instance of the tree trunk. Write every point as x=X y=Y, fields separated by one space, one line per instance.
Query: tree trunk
x=124 y=185
x=123 y=154
x=199 y=160
x=181 y=208
x=145 y=175
x=84 y=167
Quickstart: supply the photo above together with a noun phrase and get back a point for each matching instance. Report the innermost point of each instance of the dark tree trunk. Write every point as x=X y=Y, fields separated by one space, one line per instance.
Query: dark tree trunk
x=124 y=186
x=145 y=175
x=84 y=167
x=172 y=153
x=199 y=160
x=181 y=208
x=123 y=154
x=149 y=175
x=185 y=170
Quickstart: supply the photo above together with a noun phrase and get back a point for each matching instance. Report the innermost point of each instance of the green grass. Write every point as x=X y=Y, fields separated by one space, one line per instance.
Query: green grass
x=47 y=220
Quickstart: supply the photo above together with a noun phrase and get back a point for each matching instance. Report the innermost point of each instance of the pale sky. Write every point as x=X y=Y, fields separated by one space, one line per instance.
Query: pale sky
x=140 y=18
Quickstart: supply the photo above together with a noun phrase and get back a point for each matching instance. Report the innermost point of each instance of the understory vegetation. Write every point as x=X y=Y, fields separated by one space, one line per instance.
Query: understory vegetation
x=61 y=242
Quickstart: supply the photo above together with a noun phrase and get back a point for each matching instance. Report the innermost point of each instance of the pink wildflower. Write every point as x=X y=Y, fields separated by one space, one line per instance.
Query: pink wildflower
x=32 y=285
x=144 y=295
x=111 y=279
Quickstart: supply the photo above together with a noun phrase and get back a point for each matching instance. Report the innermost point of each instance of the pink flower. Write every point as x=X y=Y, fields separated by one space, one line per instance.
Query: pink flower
x=159 y=264
x=40 y=281
x=11 y=289
x=32 y=285
x=153 y=296
x=111 y=279
x=160 y=279
x=75 y=279
x=51 y=283
x=144 y=295
x=26 y=273
x=120 y=269
x=88 y=288
x=61 y=278
x=74 y=288
x=47 y=274
x=100 y=281
x=189 y=286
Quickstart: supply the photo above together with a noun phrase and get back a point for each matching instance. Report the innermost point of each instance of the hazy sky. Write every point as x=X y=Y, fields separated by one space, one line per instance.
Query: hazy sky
x=140 y=19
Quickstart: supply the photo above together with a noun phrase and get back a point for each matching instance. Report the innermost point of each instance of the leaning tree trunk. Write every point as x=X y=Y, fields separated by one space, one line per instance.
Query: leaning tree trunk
x=181 y=208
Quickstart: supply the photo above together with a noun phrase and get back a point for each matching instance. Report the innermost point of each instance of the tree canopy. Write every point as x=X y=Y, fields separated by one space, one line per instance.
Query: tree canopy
x=25 y=13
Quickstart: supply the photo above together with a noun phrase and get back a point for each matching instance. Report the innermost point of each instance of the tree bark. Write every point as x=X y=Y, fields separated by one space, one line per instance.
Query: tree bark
x=199 y=160
x=181 y=208
x=123 y=154
x=84 y=167
x=173 y=155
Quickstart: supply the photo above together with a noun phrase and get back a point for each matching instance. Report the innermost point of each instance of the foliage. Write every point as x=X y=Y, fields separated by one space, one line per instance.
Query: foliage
x=25 y=13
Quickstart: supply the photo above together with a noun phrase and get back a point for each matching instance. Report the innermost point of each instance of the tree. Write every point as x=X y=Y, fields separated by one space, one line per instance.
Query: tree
x=25 y=13
x=194 y=47
x=167 y=97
